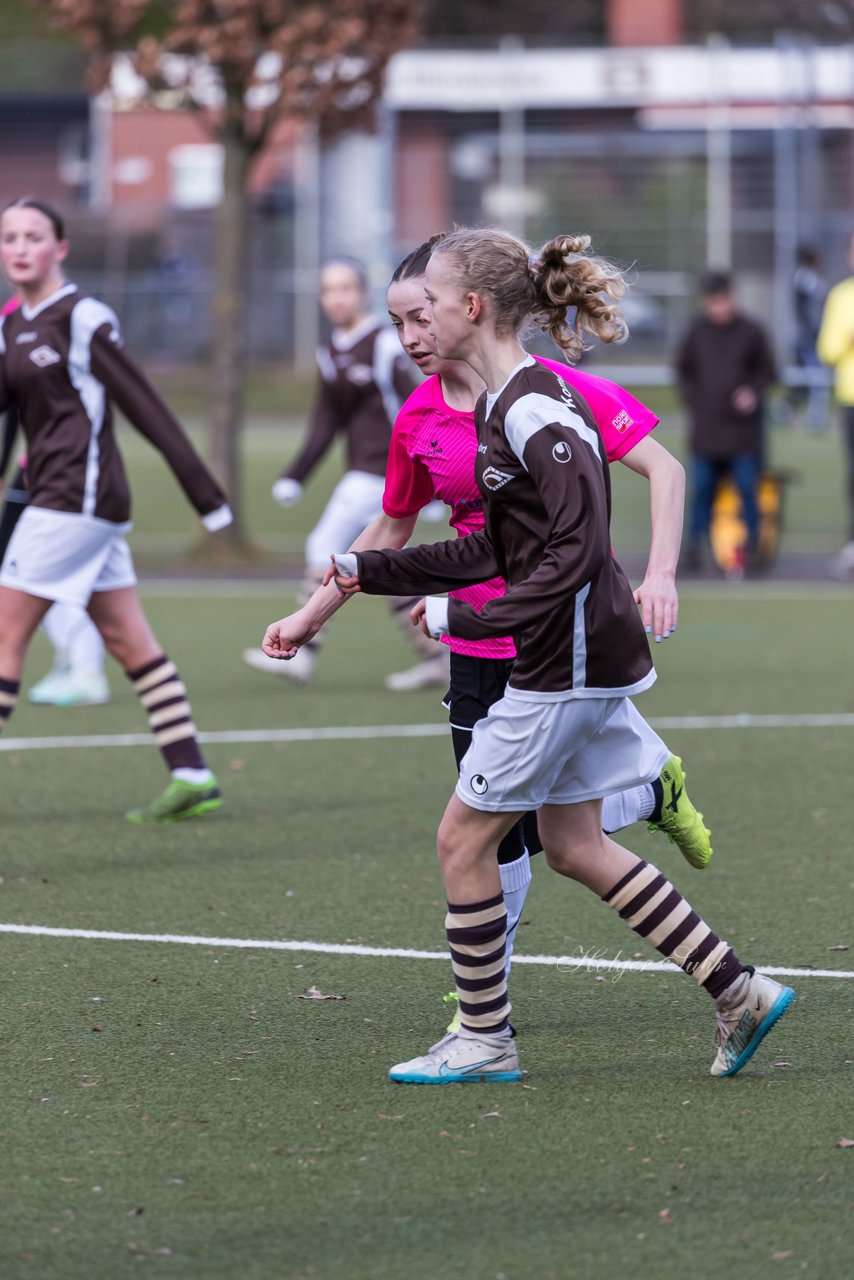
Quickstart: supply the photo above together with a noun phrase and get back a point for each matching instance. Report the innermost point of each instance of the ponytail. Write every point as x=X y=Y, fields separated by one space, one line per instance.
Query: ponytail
x=565 y=277
x=543 y=286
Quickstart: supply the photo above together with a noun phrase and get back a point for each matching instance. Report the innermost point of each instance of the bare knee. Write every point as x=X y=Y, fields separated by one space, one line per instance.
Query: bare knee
x=114 y=642
x=124 y=628
x=448 y=842
x=460 y=847
x=573 y=859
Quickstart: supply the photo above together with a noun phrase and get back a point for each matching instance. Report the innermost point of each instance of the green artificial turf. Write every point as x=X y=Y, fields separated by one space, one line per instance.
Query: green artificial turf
x=178 y=1110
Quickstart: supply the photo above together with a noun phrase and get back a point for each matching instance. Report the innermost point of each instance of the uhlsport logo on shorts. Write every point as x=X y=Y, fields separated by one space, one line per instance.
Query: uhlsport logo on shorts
x=495 y=479
x=478 y=784
x=44 y=356
x=561 y=452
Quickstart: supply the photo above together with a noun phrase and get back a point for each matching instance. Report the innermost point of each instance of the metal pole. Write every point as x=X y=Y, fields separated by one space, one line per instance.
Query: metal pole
x=511 y=138
x=306 y=247
x=718 y=159
x=786 y=198
x=100 y=187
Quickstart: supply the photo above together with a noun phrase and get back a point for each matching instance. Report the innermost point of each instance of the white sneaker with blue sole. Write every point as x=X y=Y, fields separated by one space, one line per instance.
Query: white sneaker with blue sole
x=747 y=1011
x=462 y=1059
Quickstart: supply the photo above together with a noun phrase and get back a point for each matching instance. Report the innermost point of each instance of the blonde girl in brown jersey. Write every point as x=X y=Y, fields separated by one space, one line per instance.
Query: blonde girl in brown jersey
x=61 y=362
x=566 y=733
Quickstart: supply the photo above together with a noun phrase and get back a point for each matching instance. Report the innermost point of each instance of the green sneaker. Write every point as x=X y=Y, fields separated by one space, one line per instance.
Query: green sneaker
x=180 y=800
x=454 y=999
x=680 y=821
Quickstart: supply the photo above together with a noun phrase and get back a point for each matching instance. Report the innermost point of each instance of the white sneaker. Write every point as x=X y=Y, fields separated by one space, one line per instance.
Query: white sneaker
x=843 y=563
x=462 y=1059
x=299 y=669
x=747 y=1011
x=434 y=673
x=71 y=689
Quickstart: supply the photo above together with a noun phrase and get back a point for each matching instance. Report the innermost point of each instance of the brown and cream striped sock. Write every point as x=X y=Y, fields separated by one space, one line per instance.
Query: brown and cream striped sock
x=9 y=690
x=648 y=902
x=477 y=936
x=163 y=694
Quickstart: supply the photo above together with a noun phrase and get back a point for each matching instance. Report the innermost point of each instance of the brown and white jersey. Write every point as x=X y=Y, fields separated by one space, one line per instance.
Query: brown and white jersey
x=62 y=366
x=543 y=473
x=364 y=380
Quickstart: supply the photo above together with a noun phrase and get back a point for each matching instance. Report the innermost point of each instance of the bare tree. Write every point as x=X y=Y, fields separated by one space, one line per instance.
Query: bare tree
x=243 y=65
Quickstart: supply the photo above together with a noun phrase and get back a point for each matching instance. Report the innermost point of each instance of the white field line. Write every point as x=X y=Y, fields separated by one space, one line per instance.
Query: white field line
x=341 y=733
x=591 y=961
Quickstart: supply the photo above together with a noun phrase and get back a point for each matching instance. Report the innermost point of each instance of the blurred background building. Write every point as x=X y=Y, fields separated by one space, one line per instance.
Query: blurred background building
x=681 y=134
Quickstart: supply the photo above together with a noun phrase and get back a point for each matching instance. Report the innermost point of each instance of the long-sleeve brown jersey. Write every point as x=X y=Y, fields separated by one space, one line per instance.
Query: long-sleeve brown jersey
x=62 y=366
x=543 y=473
x=364 y=379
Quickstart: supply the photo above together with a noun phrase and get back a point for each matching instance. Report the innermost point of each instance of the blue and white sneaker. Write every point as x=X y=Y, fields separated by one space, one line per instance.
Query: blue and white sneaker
x=462 y=1059
x=747 y=1011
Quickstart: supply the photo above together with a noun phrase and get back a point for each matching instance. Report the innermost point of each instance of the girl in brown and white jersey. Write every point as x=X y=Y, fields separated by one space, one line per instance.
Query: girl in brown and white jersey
x=363 y=380
x=62 y=365
x=564 y=735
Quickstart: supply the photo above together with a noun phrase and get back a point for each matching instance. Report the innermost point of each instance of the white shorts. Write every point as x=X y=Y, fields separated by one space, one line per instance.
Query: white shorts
x=356 y=500
x=527 y=754
x=66 y=557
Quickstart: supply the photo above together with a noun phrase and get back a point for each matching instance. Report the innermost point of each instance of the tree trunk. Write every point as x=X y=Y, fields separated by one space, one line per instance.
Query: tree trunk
x=228 y=373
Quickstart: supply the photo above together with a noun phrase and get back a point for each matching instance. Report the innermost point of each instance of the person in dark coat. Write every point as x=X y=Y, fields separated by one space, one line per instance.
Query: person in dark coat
x=723 y=367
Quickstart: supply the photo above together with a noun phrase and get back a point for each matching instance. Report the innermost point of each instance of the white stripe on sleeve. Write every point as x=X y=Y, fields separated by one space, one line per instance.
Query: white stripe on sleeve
x=530 y=413
x=86 y=318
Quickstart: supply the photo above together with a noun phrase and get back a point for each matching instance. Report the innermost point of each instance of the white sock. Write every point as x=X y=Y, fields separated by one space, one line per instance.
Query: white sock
x=627 y=807
x=75 y=638
x=197 y=776
x=515 y=878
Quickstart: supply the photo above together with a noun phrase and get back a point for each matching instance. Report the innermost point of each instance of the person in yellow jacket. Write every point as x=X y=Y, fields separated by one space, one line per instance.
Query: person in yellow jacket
x=836 y=348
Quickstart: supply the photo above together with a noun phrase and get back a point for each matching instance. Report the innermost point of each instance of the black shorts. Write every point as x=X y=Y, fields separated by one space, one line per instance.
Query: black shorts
x=476 y=683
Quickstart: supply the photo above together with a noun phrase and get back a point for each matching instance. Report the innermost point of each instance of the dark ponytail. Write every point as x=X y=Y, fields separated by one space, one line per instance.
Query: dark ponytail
x=415 y=264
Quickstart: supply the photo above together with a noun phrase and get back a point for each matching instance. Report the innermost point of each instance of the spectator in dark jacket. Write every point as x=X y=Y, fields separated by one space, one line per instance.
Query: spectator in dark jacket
x=723 y=366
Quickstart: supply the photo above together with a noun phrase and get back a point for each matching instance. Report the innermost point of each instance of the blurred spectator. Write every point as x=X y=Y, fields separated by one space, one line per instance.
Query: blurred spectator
x=809 y=288
x=836 y=348
x=723 y=367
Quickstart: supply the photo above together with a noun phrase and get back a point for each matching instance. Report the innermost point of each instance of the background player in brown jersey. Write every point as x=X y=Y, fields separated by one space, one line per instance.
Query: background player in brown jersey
x=364 y=379
x=62 y=364
x=565 y=734
x=76 y=678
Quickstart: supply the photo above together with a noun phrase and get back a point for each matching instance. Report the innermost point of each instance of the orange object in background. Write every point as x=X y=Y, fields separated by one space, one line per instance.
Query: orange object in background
x=728 y=534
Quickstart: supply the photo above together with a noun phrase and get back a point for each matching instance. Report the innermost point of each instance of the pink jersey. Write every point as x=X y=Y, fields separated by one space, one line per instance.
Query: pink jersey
x=432 y=454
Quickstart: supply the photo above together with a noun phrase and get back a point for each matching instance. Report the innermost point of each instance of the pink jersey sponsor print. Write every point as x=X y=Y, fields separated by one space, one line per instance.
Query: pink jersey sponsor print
x=433 y=451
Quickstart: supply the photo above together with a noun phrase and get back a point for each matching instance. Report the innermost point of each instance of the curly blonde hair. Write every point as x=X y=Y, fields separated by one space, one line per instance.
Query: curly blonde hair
x=543 y=285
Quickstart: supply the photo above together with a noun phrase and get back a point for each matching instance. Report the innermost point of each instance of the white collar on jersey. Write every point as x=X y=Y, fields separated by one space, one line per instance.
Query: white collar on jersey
x=29 y=314
x=345 y=341
x=490 y=398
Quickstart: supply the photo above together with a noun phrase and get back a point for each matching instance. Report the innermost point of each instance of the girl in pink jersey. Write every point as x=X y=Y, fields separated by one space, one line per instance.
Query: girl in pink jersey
x=432 y=453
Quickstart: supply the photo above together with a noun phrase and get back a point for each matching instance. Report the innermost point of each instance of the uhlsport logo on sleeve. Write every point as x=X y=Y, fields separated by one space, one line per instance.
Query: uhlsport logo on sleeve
x=561 y=452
